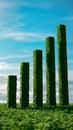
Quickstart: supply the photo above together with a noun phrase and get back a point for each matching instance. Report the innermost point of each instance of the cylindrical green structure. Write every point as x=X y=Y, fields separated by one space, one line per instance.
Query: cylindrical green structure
x=62 y=65
x=11 y=91
x=24 y=84
x=50 y=72
x=37 y=79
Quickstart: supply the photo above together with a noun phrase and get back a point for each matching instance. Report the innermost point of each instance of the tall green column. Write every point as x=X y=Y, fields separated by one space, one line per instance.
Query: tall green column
x=24 y=84
x=50 y=72
x=37 y=79
x=62 y=65
x=11 y=91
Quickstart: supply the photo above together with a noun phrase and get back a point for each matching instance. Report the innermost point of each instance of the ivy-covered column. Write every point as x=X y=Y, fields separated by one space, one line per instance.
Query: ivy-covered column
x=37 y=79
x=11 y=91
x=50 y=72
x=24 y=84
x=62 y=65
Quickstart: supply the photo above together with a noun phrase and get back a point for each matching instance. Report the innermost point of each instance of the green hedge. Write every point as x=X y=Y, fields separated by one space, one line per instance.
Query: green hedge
x=11 y=91
x=50 y=72
x=37 y=79
x=62 y=65
x=24 y=84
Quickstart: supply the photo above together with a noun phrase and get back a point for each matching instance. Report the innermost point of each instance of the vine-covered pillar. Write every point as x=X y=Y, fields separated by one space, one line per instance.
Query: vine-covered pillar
x=37 y=79
x=62 y=65
x=11 y=91
x=50 y=72
x=24 y=84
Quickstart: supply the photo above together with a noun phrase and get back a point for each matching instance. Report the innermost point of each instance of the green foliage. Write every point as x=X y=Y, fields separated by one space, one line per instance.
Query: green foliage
x=11 y=91
x=32 y=119
x=50 y=72
x=62 y=65
x=24 y=84
x=37 y=79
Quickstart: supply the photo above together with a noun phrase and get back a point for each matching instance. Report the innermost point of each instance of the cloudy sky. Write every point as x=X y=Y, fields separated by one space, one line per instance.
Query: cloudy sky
x=24 y=25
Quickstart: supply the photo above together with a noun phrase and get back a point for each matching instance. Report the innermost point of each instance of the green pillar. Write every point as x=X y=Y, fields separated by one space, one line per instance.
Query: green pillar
x=62 y=65
x=37 y=79
x=11 y=91
x=24 y=84
x=50 y=72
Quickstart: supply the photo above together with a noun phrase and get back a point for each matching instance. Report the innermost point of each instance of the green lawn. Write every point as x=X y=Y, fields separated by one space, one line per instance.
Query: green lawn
x=58 y=118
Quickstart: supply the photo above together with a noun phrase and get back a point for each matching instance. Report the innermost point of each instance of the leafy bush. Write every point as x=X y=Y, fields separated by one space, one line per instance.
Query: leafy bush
x=56 y=118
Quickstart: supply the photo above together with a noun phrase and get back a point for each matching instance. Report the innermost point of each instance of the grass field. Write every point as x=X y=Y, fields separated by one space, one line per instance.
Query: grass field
x=58 y=118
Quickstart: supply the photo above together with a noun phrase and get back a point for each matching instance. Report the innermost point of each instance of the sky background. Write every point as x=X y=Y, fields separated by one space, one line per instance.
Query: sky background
x=24 y=25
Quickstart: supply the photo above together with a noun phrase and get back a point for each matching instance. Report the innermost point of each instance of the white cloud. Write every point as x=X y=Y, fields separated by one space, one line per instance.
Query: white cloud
x=3 y=90
x=2 y=98
x=3 y=80
x=70 y=75
x=14 y=57
x=9 y=66
x=23 y=36
x=36 y=3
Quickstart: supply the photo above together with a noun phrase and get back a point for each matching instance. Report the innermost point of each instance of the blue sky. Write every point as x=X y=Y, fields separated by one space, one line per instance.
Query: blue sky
x=24 y=25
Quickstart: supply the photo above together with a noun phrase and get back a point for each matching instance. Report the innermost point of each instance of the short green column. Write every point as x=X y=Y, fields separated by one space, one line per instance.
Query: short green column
x=11 y=91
